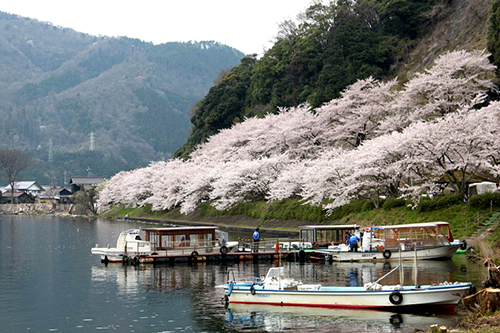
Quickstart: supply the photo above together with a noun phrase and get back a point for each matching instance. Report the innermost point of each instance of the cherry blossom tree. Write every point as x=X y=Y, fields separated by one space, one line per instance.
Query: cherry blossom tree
x=460 y=145
x=244 y=180
x=296 y=131
x=373 y=141
x=356 y=115
x=457 y=80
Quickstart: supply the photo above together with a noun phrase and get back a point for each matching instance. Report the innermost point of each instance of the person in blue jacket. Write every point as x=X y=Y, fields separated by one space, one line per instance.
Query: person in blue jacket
x=353 y=243
x=256 y=240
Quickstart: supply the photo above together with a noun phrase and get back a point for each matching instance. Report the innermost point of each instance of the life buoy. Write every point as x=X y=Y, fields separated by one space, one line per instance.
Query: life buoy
x=396 y=298
x=194 y=255
x=380 y=248
x=463 y=246
x=252 y=290
x=223 y=250
x=387 y=254
x=209 y=249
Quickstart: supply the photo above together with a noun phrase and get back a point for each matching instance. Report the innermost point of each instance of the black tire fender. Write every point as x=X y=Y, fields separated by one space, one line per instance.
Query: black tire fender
x=396 y=297
x=223 y=250
x=472 y=290
x=463 y=246
x=396 y=320
x=252 y=290
x=194 y=255
x=387 y=254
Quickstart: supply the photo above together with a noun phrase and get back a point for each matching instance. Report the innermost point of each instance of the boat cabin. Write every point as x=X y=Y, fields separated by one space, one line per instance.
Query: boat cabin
x=325 y=235
x=178 y=237
x=416 y=234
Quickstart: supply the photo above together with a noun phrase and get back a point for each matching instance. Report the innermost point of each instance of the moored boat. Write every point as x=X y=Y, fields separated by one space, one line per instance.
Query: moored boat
x=168 y=243
x=432 y=240
x=128 y=245
x=276 y=289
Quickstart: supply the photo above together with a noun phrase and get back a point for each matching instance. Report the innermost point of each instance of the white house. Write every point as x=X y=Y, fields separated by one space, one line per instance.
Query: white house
x=29 y=187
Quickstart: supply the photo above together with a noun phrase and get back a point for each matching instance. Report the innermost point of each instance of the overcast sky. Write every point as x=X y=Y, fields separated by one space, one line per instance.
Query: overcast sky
x=247 y=25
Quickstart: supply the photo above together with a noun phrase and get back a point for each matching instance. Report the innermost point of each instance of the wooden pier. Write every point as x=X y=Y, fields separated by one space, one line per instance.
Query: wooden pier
x=218 y=257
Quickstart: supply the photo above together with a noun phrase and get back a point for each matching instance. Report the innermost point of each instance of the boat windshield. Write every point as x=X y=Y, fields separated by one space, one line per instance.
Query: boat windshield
x=274 y=272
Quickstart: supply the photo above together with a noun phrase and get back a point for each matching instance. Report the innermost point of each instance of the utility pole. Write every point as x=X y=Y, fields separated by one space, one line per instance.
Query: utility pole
x=92 y=141
x=51 y=158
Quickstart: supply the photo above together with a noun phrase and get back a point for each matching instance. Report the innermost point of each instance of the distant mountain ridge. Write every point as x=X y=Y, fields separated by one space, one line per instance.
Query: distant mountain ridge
x=57 y=86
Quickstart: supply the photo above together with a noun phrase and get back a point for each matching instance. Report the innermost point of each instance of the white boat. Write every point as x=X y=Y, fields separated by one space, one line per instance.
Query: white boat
x=128 y=245
x=431 y=240
x=278 y=290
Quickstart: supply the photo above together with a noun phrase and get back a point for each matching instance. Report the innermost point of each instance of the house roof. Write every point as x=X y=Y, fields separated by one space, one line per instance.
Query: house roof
x=55 y=191
x=86 y=180
x=16 y=194
x=26 y=186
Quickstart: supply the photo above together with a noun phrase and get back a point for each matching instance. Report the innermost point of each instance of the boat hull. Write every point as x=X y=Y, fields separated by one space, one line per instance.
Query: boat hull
x=443 y=297
x=113 y=255
x=438 y=252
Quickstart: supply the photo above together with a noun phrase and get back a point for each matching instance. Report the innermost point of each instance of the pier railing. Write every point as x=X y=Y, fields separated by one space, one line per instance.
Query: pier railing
x=242 y=246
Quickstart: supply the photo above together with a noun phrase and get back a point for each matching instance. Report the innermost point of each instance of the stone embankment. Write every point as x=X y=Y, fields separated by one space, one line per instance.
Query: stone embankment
x=38 y=209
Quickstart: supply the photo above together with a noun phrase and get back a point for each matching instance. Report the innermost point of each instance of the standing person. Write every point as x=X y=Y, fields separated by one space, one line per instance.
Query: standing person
x=256 y=240
x=353 y=243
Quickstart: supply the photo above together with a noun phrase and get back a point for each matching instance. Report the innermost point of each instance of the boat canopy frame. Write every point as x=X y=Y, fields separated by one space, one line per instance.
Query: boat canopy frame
x=326 y=234
x=171 y=238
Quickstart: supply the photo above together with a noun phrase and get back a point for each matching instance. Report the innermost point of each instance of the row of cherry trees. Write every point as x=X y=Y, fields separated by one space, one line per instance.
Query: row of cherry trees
x=378 y=138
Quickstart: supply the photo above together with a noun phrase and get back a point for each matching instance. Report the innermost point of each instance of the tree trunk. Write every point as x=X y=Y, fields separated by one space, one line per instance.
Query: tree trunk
x=484 y=301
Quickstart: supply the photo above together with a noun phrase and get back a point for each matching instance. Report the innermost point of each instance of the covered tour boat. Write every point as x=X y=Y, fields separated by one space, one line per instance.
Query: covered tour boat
x=167 y=243
x=432 y=240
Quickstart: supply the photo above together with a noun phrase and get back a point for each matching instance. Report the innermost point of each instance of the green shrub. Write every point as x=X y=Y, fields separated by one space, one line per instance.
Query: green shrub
x=354 y=207
x=390 y=203
x=439 y=203
x=485 y=200
x=368 y=205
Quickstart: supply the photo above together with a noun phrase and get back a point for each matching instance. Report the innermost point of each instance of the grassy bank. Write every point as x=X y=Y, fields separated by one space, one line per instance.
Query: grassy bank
x=465 y=219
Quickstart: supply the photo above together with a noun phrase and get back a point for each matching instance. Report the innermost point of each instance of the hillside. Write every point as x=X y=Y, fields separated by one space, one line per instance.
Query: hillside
x=453 y=25
x=79 y=103
x=331 y=47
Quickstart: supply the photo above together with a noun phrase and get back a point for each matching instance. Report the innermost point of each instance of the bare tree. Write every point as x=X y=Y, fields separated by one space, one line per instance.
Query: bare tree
x=11 y=163
x=87 y=197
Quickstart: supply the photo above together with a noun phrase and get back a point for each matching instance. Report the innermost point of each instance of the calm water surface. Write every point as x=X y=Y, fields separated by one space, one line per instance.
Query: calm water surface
x=49 y=282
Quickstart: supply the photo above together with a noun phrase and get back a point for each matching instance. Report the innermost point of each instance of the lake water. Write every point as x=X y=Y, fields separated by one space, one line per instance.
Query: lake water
x=49 y=282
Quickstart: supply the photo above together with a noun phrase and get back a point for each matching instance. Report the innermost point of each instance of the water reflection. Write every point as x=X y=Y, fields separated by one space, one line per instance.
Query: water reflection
x=275 y=318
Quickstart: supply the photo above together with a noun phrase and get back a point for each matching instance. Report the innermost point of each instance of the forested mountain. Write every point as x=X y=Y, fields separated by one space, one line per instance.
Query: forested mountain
x=334 y=44
x=79 y=103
